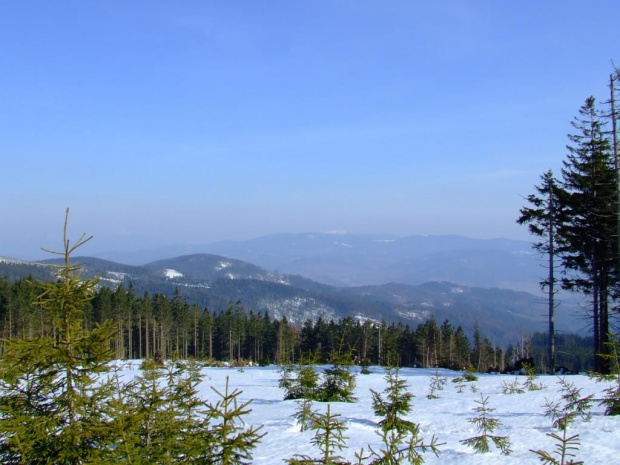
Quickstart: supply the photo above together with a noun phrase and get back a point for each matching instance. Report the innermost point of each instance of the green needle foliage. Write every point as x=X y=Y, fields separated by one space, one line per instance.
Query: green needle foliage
x=563 y=413
x=62 y=401
x=231 y=442
x=611 y=399
x=512 y=388
x=393 y=404
x=400 y=437
x=338 y=385
x=329 y=438
x=50 y=409
x=437 y=383
x=530 y=383
x=564 y=448
x=573 y=406
x=304 y=382
x=304 y=415
x=485 y=426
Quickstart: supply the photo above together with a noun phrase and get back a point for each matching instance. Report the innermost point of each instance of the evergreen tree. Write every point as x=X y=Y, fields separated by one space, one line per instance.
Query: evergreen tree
x=400 y=437
x=50 y=395
x=231 y=443
x=395 y=405
x=329 y=438
x=588 y=247
x=545 y=217
x=486 y=425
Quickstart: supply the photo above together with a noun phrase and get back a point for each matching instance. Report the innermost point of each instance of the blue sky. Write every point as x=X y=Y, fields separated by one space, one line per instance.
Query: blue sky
x=161 y=122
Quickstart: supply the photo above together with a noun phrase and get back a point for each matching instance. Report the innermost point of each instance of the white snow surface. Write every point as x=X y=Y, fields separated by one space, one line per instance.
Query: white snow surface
x=522 y=416
x=222 y=265
x=172 y=274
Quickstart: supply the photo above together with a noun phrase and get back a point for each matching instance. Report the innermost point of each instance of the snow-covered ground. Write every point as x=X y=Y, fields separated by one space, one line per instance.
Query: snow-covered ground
x=522 y=416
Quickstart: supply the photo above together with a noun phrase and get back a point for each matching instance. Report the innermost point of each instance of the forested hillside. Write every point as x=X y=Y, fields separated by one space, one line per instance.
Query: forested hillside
x=214 y=282
x=149 y=323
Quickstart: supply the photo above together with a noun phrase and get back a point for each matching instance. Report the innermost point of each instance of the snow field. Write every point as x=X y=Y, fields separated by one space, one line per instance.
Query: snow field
x=522 y=416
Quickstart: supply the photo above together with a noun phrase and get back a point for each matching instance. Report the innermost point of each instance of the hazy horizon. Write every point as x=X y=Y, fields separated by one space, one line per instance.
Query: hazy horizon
x=164 y=123
x=92 y=248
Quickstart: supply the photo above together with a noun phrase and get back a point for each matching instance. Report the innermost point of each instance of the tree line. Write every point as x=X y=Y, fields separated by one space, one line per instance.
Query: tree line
x=149 y=324
x=171 y=326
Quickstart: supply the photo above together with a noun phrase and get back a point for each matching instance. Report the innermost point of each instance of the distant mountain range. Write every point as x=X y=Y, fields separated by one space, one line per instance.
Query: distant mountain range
x=214 y=281
x=357 y=260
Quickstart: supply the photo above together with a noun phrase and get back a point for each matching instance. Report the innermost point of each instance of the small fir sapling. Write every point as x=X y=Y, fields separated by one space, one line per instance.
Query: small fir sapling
x=564 y=448
x=338 y=385
x=400 y=437
x=611 y=398
x=467 y=377
x=338 y=381
x=328 y=437
x=304 y=415
x=485 y=425
x=437 y=383
x=563 y=413
x=460 y=387
x=565 y=445
x=231 y=442
x=574 y=405
x=306 y=383
x=530 y=383
x=469 y=374
x=395 y=405
x=160 y=419
x=287 y=378
x=512 y=388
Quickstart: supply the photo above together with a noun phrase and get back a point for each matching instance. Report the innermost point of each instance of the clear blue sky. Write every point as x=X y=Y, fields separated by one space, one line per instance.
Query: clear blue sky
x=161 y=122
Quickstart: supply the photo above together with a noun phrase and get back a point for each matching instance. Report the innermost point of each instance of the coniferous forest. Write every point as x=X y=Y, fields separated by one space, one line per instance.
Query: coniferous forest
x=145 y=325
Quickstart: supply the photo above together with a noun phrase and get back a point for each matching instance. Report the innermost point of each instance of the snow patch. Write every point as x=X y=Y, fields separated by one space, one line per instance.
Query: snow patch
x=172 y=274
x=12 y=261
x=116 y=275
x=222 y=266
x=412 y=315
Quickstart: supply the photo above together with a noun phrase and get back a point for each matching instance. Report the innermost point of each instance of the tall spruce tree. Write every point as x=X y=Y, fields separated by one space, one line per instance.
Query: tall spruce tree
x=589 y=249
x=545 y=217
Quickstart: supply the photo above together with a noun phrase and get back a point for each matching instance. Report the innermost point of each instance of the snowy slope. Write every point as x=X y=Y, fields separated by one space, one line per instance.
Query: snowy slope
x=522 y=416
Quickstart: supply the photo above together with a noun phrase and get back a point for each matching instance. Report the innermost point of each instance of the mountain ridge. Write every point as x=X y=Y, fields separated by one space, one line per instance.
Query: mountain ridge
x=355 y=260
